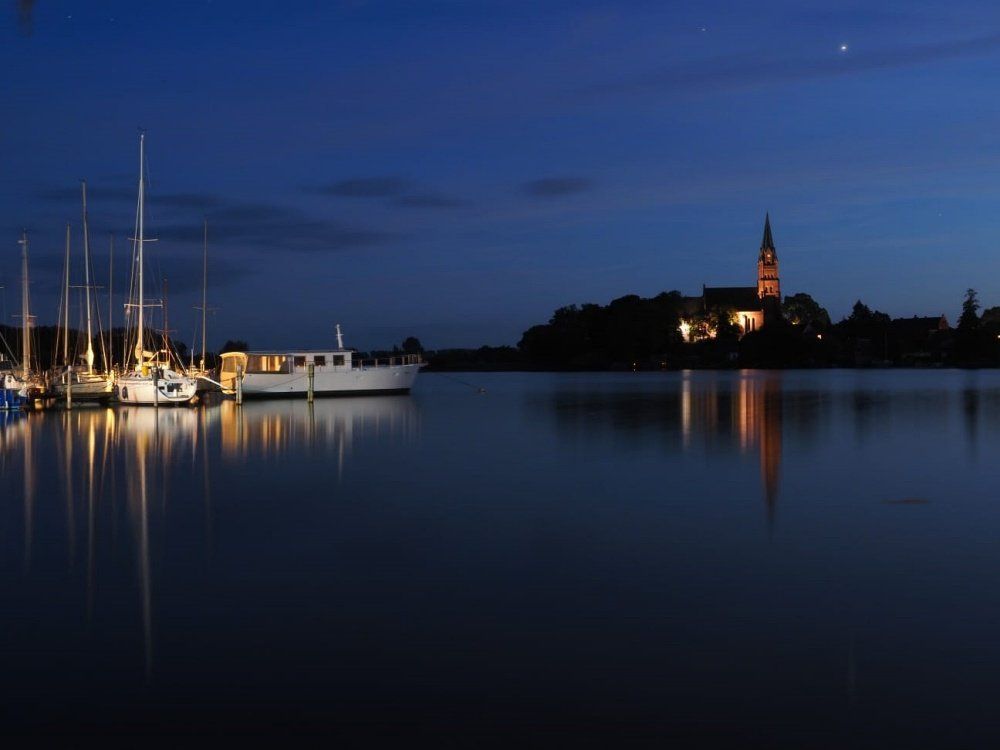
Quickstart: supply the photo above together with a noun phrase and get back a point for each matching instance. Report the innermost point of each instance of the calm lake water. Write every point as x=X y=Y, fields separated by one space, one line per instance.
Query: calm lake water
x=798 y=558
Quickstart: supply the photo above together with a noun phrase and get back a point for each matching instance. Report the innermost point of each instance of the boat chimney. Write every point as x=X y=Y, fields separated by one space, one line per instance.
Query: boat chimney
x=340 y=338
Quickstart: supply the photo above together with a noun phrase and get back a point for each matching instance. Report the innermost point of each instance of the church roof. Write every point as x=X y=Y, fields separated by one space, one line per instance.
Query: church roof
x=919 y=326
x=736 y=297
x=767 y=243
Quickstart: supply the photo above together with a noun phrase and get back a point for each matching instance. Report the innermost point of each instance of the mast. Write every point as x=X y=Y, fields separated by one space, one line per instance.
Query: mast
x=86 y=281
x=65 y=305
x=111 y=303
x=139 y=346
x=166 y=322
x=204 y=295
x=25 y=315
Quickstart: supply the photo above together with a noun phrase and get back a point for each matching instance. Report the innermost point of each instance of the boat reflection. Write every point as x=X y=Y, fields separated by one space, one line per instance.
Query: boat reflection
x=270 y=429
x=101 y=488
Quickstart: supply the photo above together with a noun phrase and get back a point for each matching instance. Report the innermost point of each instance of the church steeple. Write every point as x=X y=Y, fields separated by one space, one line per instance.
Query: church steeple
x=768 y=283
x=767 y=243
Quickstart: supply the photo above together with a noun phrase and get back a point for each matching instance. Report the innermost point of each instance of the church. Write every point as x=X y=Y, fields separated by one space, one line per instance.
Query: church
x=749 y=308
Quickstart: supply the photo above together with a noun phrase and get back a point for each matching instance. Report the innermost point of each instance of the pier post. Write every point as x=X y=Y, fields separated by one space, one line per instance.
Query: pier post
x=312 y=381
x=239 y=385
x=69 y=391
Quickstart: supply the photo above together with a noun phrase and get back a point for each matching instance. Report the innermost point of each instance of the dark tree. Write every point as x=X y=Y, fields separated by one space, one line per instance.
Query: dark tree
x=801 y=309
x=971 y=346
x=969 y=319
x=234 y=346
x=411 y=345
x=630 y=331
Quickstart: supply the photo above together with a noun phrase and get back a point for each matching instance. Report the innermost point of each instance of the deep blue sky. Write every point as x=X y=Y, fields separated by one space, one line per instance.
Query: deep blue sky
x=456 y=170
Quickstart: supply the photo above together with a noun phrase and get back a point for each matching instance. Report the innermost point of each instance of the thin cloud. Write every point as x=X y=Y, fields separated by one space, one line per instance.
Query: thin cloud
x=364 y=187
x=547 y=187
x=196 y=201
x=25 y=15
x=747 y=71
x=271 y=227
x=429 y=200
x=101 y=193
x=71 y=194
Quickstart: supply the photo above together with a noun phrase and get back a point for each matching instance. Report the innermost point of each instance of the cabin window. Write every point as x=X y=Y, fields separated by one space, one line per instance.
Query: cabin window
x=320 y=360
x=338 y=360
x=267 y=364
x=300 y=361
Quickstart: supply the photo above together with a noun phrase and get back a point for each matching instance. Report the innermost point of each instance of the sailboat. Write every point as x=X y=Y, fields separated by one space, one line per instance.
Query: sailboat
x=83 y=382
x=146 y=379
x=20 y=388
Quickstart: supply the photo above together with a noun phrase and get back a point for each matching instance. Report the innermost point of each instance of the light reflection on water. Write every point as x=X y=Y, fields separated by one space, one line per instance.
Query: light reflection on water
x=564 y=552
x=125 y=466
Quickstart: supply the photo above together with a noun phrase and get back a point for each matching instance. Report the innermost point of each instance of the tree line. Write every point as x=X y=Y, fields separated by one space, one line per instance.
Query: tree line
x=637 y=333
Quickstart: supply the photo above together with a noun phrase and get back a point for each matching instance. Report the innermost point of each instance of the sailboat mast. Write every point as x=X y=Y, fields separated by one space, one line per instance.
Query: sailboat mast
x=204 y=295
x=140 y=346
x=65 y=305
x=86 y=281
x=25 y=315
x=111 y=302
x=166 y=320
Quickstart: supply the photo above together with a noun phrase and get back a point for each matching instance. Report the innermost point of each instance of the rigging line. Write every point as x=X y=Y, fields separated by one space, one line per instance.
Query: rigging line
x=479 y=388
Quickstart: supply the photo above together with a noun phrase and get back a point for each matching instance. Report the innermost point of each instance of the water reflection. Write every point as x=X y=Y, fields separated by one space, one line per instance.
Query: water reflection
x=741 y=414
x=90 y=473
x=375 y=562
x=262 y=429
x=762 y=413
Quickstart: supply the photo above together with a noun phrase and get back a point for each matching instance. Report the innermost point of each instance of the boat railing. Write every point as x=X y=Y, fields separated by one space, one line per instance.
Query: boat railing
x=394 y=361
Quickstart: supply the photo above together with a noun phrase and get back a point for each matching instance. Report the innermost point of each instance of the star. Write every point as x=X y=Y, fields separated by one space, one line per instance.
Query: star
x=843 y=48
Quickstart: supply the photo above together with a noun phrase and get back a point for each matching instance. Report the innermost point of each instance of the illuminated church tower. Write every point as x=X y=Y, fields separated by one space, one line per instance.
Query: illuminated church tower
x=768 y=284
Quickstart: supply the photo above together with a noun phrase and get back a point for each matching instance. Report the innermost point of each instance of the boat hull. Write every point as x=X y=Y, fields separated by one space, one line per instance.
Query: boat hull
x=15 y=393
x=11 y=400
x=144 y=391
x=96 y=390
x=352 y=382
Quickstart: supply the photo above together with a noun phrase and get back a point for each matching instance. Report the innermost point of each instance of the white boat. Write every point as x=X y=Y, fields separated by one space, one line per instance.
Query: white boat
x=22 y=389
x=147 y=379
x=336 y=372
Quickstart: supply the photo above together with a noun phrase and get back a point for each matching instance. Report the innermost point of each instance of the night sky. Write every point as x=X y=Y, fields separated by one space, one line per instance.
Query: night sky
x=457 y=170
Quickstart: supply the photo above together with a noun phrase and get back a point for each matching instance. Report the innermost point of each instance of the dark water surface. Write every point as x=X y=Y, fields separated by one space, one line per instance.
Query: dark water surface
x=799 y=558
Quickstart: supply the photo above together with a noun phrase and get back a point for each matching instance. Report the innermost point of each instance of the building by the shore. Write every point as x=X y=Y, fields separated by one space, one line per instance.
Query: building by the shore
x=748 y=308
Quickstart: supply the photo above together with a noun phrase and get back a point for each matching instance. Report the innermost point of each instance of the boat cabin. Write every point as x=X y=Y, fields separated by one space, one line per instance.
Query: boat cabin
x=296 y=364
x=279 y=363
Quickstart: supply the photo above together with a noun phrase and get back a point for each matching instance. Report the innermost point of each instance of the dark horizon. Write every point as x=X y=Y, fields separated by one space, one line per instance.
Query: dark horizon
x=456 y=173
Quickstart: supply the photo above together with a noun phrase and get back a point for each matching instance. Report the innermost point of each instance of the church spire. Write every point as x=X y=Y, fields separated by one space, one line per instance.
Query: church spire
x=768 y=284
x=767 y=243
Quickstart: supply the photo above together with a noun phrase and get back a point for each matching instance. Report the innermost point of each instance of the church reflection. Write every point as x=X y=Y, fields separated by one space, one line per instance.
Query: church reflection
x=103 y=491
x=749 y=409
x=739 y=413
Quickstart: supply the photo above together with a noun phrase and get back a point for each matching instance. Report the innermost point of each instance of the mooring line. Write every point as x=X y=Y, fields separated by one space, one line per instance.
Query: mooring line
x=479 y=389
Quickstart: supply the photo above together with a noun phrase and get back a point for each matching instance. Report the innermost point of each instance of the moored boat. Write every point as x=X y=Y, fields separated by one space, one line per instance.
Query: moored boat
x=77 y=379
x=148 y=379
x=335 y=372
x=13 y=391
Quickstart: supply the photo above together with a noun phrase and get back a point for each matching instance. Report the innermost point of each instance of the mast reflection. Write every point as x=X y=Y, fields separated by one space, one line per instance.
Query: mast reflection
x=81 y=477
